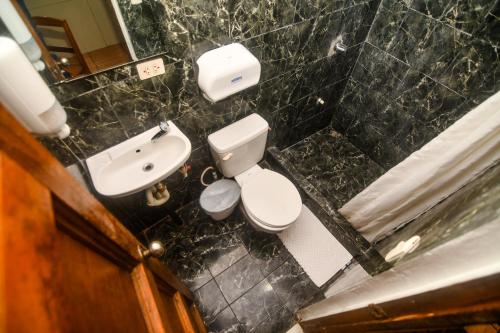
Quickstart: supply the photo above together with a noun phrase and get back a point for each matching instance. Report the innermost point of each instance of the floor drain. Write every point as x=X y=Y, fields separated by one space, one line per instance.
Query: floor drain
x=148 y=167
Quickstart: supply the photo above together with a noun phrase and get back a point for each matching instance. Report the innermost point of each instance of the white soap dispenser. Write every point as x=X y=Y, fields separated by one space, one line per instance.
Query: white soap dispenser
x=26 y=95
x=227 y=70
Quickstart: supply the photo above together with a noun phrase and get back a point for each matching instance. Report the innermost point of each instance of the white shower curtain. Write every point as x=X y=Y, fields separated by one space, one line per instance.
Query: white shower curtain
x=430 y=174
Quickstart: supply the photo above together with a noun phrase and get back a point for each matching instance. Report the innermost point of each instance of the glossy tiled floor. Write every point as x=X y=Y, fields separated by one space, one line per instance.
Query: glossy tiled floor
x=333 y=165
x=243 y=280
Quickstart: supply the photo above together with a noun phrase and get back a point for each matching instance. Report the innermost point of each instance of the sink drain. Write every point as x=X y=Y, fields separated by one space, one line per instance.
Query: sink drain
x=148 y=167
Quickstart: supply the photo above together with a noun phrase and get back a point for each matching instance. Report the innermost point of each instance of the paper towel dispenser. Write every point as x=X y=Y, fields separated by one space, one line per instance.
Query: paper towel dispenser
x=227 y=70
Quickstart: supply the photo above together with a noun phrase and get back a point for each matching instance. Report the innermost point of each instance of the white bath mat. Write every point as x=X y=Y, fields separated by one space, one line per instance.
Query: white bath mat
x=314 y=247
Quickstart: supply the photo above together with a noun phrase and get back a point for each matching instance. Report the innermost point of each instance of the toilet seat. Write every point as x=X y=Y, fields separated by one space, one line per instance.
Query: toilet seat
x=271 y=199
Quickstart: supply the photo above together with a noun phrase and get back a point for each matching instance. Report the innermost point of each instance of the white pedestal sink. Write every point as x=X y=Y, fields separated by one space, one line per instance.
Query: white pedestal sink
x=138 y=163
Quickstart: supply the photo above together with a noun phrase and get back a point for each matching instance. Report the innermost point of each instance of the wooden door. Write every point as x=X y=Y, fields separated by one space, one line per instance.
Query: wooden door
x=67 y=264
x=446 y=309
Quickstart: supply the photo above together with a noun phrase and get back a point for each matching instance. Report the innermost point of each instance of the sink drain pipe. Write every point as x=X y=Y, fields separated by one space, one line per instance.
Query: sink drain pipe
x=157 y=194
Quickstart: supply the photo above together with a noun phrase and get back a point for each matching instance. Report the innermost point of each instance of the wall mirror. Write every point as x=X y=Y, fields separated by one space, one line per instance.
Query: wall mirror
x=79 y=37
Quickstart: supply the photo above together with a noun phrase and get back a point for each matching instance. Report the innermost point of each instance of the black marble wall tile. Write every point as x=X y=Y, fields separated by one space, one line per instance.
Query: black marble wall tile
x=424 y=65
x=294 y=54
x=63 y=149
x=470 y=16
x=428 y=101
x=427 y=45
x=137 y=15
x=94 y=124
x=301 y=82
x=147 y=40
x=475 y=71
x=370 y=125
x=386 y=24
x=490 y=30
x=379 y=72
x=69 y=90
x=141 y=105
x=307 y=127
x=431 y=46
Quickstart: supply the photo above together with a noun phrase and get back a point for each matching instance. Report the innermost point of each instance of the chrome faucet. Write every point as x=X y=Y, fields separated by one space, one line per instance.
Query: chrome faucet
x=164 y=129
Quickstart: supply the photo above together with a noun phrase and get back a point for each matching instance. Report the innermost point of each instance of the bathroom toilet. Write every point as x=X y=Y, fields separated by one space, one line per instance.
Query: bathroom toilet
x=268 y=199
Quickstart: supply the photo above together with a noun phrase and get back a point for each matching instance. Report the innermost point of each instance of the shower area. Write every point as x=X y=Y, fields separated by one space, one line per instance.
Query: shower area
x=422 y=66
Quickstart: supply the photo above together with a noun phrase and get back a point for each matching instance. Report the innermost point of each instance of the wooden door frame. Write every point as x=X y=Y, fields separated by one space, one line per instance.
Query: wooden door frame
x=472 y=302
x=93 y=225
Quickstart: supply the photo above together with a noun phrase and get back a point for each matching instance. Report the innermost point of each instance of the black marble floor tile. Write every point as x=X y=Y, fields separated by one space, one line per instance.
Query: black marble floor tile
x=266 y=249
x=280 y=322
x=181 y=255
x=225 y=256
x=292 y=285
x=331 y=163
x=258 y=304
x=199 y=245
x=239 y=278
x=210 y=301
x=225 y=322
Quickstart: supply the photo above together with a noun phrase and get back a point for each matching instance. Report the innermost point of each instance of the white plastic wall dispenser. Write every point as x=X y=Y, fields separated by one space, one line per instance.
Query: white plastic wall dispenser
x=26 y=95
x=20 y=33
x=227 y=70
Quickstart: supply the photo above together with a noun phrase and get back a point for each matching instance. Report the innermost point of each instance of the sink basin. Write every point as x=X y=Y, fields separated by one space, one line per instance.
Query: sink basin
x=138 y=163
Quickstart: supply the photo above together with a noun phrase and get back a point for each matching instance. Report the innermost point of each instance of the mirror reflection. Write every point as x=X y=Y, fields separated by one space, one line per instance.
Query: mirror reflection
x=75 y=37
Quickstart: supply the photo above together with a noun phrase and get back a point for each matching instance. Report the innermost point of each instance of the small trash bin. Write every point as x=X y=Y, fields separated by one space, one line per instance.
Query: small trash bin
x=220 y=198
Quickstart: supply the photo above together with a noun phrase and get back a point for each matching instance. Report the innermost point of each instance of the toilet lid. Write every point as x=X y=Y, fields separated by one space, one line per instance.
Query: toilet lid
x=271 y=199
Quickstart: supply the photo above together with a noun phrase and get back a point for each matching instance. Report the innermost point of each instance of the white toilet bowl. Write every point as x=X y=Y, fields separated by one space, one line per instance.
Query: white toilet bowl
x=269 y=200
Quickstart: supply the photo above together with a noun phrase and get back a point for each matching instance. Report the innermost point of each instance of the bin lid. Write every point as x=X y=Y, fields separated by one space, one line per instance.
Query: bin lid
x=220 y=195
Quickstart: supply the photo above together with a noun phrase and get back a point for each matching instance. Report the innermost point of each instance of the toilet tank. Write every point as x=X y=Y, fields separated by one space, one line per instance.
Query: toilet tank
x=239 y=146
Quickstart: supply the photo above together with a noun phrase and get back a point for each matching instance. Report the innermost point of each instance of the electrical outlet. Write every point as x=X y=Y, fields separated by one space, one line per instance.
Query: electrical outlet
x=150 y=68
